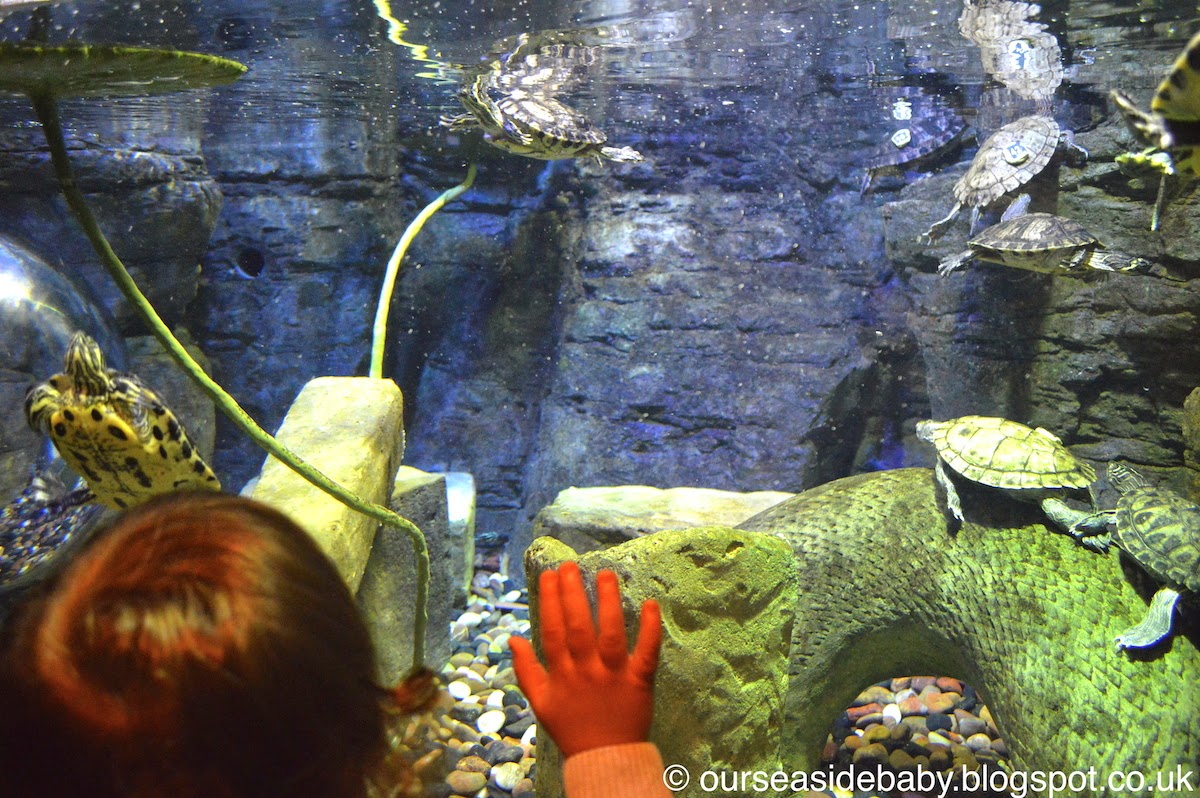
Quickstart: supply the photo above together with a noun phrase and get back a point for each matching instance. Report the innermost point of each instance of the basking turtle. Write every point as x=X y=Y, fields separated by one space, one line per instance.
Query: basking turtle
x=1010 y=157
x=1030 y=464
x=920 y=124
x=114 y=431
x=1042 y=242
x=1157 y=528
x=512 y=99
x=1173 y=124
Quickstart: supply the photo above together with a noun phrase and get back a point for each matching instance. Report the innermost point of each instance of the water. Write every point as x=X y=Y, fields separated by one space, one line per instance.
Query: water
x=766 y=324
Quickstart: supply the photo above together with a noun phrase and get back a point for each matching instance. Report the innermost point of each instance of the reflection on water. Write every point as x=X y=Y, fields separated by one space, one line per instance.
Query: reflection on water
x=339 y=62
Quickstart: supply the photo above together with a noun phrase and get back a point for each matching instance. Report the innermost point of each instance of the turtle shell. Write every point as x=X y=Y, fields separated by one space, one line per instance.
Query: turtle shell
x=114 y=431
x=1005 y=454
x=918 y=124
x=547 y=118
x=1161 y=530
x=1034 y=232
x=1010 y=157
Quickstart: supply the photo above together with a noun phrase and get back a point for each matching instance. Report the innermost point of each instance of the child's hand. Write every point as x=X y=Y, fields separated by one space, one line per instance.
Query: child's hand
x=592 y=691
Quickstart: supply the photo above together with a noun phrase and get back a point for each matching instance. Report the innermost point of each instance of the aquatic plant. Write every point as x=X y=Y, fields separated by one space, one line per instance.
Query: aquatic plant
x=393 y=267
x=46 y=74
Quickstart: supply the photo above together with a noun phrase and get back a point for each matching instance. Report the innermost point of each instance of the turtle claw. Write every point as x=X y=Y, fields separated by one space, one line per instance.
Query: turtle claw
x=939 y=228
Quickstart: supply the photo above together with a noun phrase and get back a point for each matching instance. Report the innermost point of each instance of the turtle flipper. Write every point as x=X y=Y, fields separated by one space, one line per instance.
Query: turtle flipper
x=938 y=228
x=1089 y=529
x=1155 y=626
x=953 y=504
x=459 y=121
x=954 y=261
x=622 y=154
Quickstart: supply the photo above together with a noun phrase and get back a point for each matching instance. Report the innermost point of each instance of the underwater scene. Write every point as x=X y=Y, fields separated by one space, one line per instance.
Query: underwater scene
x=860 y=336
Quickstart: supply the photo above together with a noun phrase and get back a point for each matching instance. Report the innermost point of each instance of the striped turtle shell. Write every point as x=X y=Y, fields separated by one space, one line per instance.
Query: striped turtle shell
x=1005 y=454
x=1161 y=530
x=114 y=431
x=1034 y=232
x=1010 y=157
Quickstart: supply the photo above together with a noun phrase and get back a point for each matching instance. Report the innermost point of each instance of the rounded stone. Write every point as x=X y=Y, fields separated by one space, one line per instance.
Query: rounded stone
x=919 y=683
x=941 y=723
x=474 y=763
x=873 y=695
x=524 y=789
x=876 y=733
x=459 y=689
x=875 y=753
x=854 y=713
x=467 y=713
x=891 y=715
x=901 y=760
x=463 y=783
x=499 y=752
x=967 y=724
x=940 y=702
x=507 y=775
x=913 y=706
x=490 y=722
x=977 y=742
x=948 y=684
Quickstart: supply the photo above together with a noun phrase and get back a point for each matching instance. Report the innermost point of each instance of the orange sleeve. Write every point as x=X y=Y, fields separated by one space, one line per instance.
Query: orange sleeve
x=632 y=770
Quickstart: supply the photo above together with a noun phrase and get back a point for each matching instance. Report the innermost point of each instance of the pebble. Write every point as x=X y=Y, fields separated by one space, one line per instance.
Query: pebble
x=977 y=742
x=474 y=764
x=524 y=789
x=463 y=783
x=875 y=694
x=854 y=713
x=459 y=689
x=875 y=753
x=891 y=715
x=506 y=775
x=967 y=724
x=490 y=722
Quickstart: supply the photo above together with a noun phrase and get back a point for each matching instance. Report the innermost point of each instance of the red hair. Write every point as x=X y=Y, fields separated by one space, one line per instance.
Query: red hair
x=201 y=646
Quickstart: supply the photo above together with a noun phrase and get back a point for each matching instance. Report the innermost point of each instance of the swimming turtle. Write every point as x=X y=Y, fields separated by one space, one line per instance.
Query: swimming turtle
x=114 y=431
x=1010 y=157
x=1030 y=464
x=1157 y=528
x=512 y=99
x=920 y=125
x=1173 y=124
x=1042 y=242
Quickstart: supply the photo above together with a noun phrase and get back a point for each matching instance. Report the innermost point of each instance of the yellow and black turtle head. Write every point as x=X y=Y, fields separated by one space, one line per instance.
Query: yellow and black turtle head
x=85 y=367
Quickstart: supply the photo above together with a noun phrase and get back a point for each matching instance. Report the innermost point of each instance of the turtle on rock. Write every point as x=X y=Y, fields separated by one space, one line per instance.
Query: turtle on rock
x=1007 y=159
x=1157 y=528
x=114 y=431
x=513 y=99
x=1027 y=463
x=1042 y=242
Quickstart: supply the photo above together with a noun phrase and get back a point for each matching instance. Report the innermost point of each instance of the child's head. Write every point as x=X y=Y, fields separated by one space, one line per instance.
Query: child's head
x=201 y=646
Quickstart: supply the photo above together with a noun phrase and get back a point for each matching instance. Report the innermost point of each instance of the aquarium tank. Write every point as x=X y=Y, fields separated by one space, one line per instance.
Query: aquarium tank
x=859 y=334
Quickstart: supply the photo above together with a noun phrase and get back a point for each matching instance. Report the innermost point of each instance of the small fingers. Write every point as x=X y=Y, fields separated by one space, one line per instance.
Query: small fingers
x=577 y=613
x=611 y=620
x=531 y=676
x=551 y=626
x=644 y=660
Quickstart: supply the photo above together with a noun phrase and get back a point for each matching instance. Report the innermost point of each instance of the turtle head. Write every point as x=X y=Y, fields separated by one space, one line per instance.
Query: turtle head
x=474 y=97
x=85 y=366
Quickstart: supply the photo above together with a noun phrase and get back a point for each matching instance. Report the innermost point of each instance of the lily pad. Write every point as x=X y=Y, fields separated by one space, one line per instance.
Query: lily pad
x=78 y=70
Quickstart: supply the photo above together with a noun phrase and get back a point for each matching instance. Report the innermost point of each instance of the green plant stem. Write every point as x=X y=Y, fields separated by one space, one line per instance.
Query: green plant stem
x=46 y=108
x=379 y=337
